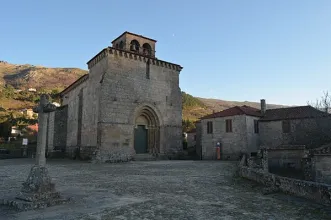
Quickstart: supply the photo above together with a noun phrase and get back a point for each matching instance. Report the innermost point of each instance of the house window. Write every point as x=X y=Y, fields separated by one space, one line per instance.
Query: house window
x=228 y=125
x=286 y=125
x=256 y=126
x=195 y=137
x=209 y=127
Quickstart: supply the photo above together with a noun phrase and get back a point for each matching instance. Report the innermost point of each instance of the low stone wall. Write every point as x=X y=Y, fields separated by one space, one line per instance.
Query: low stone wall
x=322 y=168
x=18 y=153
x=285 y=157
x=317 y=192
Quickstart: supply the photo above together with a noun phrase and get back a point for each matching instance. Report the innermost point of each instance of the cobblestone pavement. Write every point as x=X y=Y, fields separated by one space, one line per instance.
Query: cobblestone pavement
x=154 y=190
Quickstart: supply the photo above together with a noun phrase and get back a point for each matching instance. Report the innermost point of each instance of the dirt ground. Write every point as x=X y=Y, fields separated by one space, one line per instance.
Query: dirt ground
x=153 y=190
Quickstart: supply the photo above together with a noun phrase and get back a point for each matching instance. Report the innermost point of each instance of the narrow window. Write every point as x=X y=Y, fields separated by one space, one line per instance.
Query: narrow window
x=147 y=69
x=228 y=125
x=209 y=127
x=286 y=125
x=256 y=126
x=195 y=137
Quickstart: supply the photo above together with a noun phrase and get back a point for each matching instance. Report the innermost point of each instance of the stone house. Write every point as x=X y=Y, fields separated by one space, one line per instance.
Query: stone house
x=245 y=130
x=301 y=125
x=128 y=104
x=235 y=128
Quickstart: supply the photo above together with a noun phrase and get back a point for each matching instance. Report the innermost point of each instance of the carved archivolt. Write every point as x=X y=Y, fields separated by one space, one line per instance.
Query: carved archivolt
x=148 y=117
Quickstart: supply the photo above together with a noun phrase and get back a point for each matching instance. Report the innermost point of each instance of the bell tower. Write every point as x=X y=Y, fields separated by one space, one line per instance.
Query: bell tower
x=135 y=43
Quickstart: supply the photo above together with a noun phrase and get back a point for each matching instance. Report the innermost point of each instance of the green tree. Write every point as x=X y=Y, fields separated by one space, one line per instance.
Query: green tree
x=187 y=125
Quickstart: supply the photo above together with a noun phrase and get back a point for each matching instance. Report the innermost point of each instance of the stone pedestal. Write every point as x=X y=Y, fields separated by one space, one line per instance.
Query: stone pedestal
x=37 y=192
x=38 y=186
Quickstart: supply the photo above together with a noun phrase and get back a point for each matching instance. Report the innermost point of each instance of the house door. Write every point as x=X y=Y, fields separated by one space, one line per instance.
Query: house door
x=140 y=139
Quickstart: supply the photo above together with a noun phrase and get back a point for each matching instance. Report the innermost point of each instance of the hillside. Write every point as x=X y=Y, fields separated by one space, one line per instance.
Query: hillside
x=39 y=77
x=53 y=80
x=15 y=77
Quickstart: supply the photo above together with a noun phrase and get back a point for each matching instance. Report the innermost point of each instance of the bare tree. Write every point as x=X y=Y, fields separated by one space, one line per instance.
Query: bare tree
x=322 y=104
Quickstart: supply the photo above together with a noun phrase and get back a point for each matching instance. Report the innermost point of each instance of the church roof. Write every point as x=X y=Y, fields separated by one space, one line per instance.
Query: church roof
x=74 y=84
x=137 y=35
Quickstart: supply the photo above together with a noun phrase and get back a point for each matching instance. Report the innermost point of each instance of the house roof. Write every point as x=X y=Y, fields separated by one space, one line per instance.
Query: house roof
x=299 y=112
x=33 y=127
x=237 y=110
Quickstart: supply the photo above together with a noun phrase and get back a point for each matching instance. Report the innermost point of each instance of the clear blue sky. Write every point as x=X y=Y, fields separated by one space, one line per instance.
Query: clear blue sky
x=230 y=49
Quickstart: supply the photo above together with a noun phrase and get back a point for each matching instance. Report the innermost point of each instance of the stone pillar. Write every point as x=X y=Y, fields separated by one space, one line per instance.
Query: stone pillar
x=42 y=133
x=38 y=190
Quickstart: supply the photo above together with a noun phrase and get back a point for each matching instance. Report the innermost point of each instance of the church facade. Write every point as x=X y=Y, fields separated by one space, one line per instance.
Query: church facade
x=128 y=104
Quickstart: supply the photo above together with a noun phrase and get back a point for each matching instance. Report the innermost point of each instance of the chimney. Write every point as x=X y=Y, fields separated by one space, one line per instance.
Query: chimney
x=263 y=106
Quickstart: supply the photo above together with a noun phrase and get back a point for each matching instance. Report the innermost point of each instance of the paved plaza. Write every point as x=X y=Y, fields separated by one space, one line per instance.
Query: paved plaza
x=153 y=190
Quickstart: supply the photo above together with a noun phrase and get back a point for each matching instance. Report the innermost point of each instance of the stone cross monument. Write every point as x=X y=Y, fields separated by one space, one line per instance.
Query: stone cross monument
x=38 y=191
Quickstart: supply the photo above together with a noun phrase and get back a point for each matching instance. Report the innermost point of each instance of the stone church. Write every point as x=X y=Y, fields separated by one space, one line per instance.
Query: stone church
x=128 y=105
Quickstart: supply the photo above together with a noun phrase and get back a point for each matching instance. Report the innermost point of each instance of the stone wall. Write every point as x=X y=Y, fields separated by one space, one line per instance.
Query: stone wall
x=322 y=168
x=90 y=110
x=271 y=134
x=60 y=128
x=198 y=141
x=240 y=141
x=317 y=192
x=253 y=139
x=125 y=88
x=311 y=132
x=285 y=158
x=71 y=99
x=57 y=131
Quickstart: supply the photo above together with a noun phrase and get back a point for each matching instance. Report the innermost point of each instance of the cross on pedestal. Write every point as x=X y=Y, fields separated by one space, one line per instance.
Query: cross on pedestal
x=38 y=191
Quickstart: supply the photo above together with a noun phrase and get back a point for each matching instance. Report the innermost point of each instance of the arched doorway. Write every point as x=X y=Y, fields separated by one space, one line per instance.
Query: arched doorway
x=146 y=131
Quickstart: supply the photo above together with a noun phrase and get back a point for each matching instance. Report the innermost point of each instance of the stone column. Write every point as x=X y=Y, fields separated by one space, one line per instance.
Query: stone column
x=38 y=190
x=42 y=132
